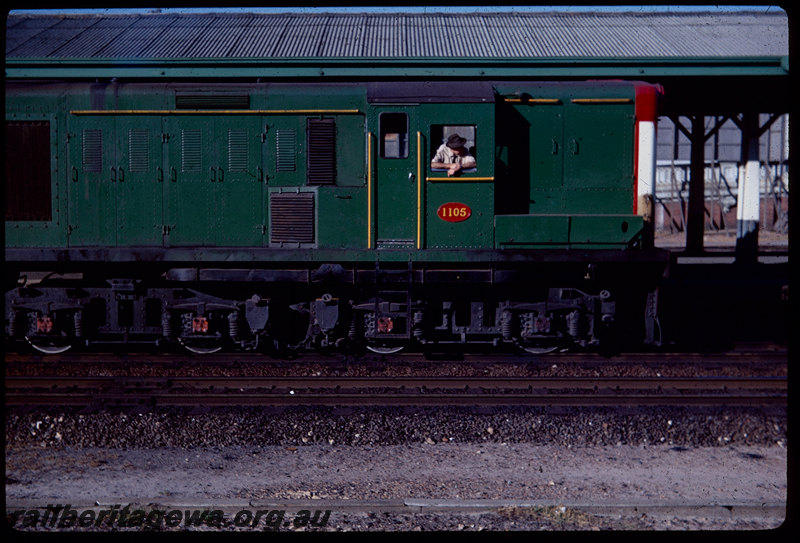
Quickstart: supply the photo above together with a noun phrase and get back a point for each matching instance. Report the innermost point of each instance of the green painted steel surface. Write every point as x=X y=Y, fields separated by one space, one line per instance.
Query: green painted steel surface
x=545 y=124
x=474 y=232
x=342 y=217
x=528 y=231
x=602 y=229
x=598 y=153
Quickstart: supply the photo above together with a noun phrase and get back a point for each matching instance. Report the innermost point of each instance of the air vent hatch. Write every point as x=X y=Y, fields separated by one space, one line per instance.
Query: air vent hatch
x=286 y=148
x=292 y=217
x=209 y=101
x=92 y=145
x=139 y=150
x=321 y=152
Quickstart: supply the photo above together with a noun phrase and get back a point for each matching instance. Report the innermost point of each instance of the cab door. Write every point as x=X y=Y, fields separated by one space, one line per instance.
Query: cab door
x=397 y=177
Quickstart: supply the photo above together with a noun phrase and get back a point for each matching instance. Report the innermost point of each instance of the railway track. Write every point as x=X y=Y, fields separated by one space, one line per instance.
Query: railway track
x=746 y=349
x=394 y=391
x=762 y=354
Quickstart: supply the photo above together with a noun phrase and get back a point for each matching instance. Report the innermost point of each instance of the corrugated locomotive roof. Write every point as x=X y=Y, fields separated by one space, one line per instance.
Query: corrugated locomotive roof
x=367 y=35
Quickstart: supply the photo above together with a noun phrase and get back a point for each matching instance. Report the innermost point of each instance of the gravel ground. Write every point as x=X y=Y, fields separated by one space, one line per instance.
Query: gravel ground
x=393 y=426
x=557 y=459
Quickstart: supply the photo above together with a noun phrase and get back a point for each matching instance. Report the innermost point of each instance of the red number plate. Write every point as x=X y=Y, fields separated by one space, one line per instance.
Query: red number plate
x=454 y=212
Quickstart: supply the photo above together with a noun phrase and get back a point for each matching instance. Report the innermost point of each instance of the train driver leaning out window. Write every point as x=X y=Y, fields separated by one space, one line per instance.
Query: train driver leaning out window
x=453 y=156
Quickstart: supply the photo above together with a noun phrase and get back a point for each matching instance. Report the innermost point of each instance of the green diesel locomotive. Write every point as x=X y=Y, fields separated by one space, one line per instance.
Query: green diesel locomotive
x=307 y=215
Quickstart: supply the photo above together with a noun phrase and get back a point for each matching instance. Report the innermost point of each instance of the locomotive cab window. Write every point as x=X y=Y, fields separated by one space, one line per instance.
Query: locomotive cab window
x=394 y=135
x=445 y=136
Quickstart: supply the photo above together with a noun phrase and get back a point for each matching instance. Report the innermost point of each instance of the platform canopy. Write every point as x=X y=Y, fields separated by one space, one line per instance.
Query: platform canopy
x=656 y=43
x=714 y=57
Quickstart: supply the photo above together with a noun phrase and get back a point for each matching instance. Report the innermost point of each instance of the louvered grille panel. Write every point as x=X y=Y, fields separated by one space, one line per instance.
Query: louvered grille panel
x=238 y=157
x=212 y=102
x=292 y=217
x=139 y=150
x=321 y=151
x=191 y=159
x=286 y=149
x=92 y=141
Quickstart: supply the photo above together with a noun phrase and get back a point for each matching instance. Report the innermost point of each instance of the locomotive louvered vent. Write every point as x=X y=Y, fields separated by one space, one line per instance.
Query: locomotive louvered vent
x=321 y=151
x=292 y=217
x=92 y=140
x=138 y=150
x=286 y=149
x=237 y=150
x=27 y=171
x=208 y=101
x=191 y=156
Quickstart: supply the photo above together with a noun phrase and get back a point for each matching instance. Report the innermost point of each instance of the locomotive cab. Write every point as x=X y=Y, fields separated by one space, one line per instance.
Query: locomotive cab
x=420 y=207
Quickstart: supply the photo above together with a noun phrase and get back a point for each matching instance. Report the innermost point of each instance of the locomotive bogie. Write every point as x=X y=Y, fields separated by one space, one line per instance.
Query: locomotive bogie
x=342 y=307
x=123 y=313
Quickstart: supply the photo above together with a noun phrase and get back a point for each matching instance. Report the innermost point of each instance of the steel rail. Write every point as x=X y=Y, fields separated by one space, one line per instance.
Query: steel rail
x=406 y=400
x=314 y=382
x=776 y=354
x=394 y=391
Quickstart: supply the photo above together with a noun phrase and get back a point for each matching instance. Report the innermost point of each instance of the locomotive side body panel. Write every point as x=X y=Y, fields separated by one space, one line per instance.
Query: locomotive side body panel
x=566 y=166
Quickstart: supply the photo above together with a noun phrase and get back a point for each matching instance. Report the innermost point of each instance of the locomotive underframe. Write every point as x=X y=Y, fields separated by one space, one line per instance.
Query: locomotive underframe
x=382 y=305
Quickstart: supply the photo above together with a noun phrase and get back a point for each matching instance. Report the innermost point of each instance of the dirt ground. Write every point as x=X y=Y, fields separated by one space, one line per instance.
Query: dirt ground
x=556 y=475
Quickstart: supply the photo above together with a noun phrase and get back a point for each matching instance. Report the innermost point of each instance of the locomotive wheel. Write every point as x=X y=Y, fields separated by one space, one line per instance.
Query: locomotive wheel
x=201 y=345
x=538 y=348
x=48 y=345
x=385 y=349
